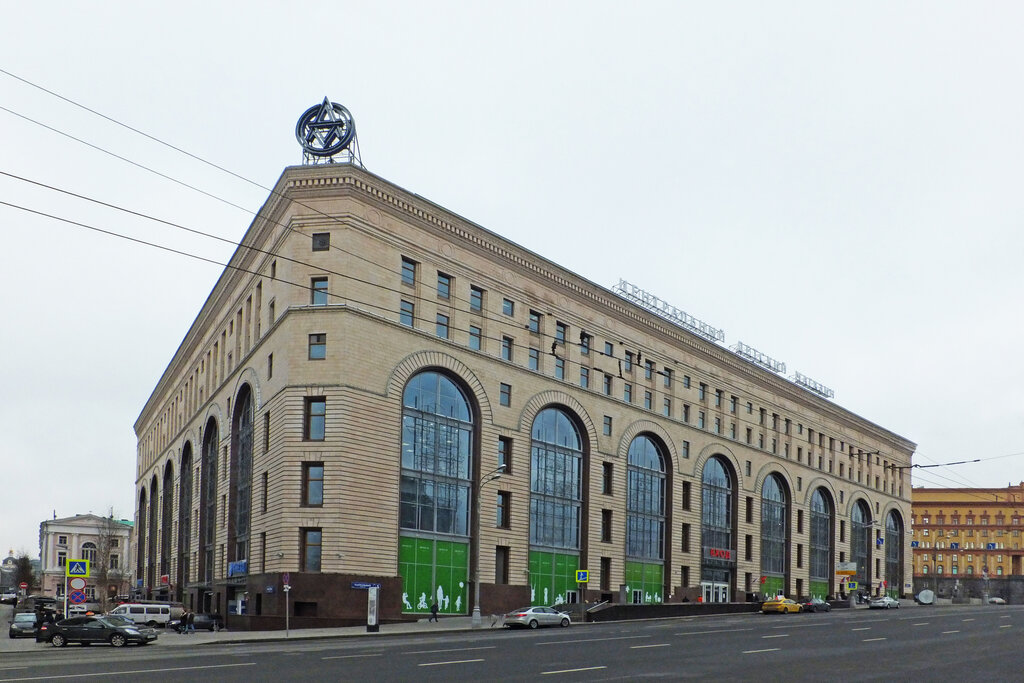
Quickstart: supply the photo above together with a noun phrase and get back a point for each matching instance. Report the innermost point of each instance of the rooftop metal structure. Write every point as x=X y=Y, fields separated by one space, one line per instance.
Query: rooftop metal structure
x=755 y=356
x=667 y=311
x=808 y=383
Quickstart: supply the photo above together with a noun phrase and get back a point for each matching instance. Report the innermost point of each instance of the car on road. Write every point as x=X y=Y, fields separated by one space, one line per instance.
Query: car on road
x=814 y=605
x=9 y=596
x=23 y=625
x=884 y=602
x=203 y=621
x=780 y=605
x=533 y=617
x=996 y=601
x=95 y=629
x=125 y=621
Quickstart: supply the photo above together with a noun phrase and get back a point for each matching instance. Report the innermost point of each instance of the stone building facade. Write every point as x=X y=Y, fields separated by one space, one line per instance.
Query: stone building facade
x=378 y=391
x=104 y=541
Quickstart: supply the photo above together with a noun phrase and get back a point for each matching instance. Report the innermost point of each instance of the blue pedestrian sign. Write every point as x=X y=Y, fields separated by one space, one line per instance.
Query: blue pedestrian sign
x=582 y=575
x=990 y=546
x=914 y=544
x=77 y=568
x=954 y=546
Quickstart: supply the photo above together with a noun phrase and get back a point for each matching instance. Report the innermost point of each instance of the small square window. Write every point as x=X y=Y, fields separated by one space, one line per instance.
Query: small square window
x=321 y=241
x=508 y=307
x=317 y=346
x=505 y=395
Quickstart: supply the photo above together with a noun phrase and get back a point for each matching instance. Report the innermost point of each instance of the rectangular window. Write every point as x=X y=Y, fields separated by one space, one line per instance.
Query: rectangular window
x=318 y=291
x=476 y=299
x=266 y=490
x=408 y=271
x=407 y=314
x=686 y=449
x=62 y=559
x=627 y=393
x=312 y=484
x=508 y=307
x=666 y=407
x=606 y=526
x=606 y=573
x=506 y=348
x=686 y=495
x=750 y=510
x=718 y=425
x=585 y=377
x=505 y=454
x=316 y=414
x=686 y=412
x=686 y=381
x=718 y=398
x=648 y=400
x=266 y=432
x=311 y=541
x=609 y=349
x=317 y=346
x=504 y=514
x=560 y=331
x=799 y=521
x=607 y=425
x=475 y=336
x=747 y=547
x=585 y=343
x=534 y=323
x=505 y=395
x=559 y=368
x=667 y=376
x=700 y=419
x=607 y=385
x=321 y=241
x=628 y=364
x=607 y=470
x=648 y=370
x=270 y=366
x=444 y=286
x=702 y=391
x=442 y=326
x=535 y=359
x=732 y=404
x=684 y=538
x=501 y=562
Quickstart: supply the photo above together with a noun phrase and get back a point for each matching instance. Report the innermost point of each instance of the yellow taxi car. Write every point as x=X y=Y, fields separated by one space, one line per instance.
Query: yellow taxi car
x=780 y=605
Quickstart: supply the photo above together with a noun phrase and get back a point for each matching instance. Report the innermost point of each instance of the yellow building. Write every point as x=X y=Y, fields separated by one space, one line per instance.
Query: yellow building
x=967 y=542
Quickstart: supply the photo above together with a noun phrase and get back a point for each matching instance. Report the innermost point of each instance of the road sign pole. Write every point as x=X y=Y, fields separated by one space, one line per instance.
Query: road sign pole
x=67 y=581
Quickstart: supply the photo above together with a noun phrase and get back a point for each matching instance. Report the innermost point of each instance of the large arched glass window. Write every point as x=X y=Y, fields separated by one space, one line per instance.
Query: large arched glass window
x=645 y=521
x=717 y=533
x=154 y=513
x=140 y=563
x=860 y=542
x=435 y=494
x=208 y=501
x=184 y=518
x=241 y=474
x=556 y=504
x=166 y=520
x=894 y=554
x=89 y=552
x=773 y=536
x=821 y=543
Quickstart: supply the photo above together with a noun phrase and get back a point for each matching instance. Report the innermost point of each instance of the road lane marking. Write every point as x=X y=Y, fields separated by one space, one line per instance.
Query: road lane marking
x=778 y=635
x=754 y=652
x=967 y=619
x=871 y=640
x=1006 y=626
x=945 y=632
x=720 y=630
x=863 y=628
x=571 y=671
x=455 y=661
x=1005 y=616
x=375 y=654
x=641 y=647
x=923 y=623
x=125 y=673
x=455 y=649
x=590 y=640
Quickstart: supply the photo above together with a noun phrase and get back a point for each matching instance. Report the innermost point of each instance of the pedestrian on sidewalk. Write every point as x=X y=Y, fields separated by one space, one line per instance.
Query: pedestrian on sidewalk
x=433 y=612
x=190 y=622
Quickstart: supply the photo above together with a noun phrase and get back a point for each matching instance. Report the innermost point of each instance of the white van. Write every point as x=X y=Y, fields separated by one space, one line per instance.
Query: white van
x=150 y=614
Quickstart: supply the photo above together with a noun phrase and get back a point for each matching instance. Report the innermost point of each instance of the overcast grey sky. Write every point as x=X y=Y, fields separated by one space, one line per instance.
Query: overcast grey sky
x=836 y=185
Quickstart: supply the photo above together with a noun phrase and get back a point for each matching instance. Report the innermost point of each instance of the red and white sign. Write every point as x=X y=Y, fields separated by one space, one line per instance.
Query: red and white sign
x=77 y=583
x=165 y=579
x=22 y=585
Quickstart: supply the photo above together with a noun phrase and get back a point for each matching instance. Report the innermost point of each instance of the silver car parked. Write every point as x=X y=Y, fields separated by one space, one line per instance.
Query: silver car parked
x=534 y=617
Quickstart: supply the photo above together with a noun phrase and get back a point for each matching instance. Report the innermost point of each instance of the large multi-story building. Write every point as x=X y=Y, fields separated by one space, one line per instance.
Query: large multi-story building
x=103 y=541
x=967 y=542
x=378 y=391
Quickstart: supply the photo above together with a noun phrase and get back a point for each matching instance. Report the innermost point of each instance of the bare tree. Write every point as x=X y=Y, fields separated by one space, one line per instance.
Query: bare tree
x=109 y=573
x=23 y=572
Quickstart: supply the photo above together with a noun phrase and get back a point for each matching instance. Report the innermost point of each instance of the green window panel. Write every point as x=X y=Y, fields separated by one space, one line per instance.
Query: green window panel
x=424 y=579
x=648 y=578
x=819 y=589
x=772 y=586
x=552 y=576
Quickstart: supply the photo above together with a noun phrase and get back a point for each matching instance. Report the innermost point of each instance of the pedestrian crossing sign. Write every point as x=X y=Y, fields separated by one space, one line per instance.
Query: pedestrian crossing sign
x=582 y=575
x=77 y=568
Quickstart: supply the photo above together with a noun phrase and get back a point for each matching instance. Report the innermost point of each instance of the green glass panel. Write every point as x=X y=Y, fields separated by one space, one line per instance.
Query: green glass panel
x=819 y=589
x=423 y=580
x=772 y=586
x=646 y=577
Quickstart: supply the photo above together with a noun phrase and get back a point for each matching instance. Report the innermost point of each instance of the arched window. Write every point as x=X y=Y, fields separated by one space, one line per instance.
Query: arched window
x=89 y=552
x=821 y=543
x=717 y=530
x=556 y=466
x=151 y=547
x=435 y=494
x=773 y=536
x=241 y=474
x=184 y=518
x=166 y=519
x=140 y=563
x=894 y=554
x=645 y=525
x=860 y=541
x=924 y=569
x=208 y=501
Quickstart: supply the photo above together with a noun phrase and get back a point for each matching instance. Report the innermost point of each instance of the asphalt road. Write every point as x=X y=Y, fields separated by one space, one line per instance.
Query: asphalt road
x=931 y=644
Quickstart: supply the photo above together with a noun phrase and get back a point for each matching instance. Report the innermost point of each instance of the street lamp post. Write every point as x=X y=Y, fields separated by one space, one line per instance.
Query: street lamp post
x=484 y=480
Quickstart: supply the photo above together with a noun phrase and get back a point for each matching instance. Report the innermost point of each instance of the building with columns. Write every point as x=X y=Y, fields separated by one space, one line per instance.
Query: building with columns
x=103 y=541
x=379 y=391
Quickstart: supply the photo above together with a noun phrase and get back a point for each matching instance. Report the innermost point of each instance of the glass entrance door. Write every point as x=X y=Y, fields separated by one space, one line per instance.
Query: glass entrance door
x=713 y=591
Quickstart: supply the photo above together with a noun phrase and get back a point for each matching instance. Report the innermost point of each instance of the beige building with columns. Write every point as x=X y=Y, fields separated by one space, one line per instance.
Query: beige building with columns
x=378 y=391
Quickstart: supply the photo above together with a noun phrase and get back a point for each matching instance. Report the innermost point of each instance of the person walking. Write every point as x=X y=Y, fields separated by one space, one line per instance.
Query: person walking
x=190 y=622
x=433 y=612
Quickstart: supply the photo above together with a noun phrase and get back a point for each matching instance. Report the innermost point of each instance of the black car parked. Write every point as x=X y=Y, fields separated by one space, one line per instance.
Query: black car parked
x=96 y=629
x=814 y=605
x=203 y=622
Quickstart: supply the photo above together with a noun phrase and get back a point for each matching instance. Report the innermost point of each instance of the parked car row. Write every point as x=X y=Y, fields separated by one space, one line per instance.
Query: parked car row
x=9 y=596
x=783 y=605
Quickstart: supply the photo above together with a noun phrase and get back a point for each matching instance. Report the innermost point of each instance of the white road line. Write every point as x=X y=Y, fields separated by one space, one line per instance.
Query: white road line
x=720 y=630
x=863 y=628
x=945 y=632
x=590 y=640
x=641 y=647
x=377 y=654
x=754 y=652
x=967 y=619
x=778 y=635
x=456 y=661
x=456 y=649
x=1005 y=616
x=125 y=673
x=1006 y=626
x=871 y=640
x=923 y=623
x=571 y=671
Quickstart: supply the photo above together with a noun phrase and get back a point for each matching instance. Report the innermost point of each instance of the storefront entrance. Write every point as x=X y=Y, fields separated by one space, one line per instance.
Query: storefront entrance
x=714 y=591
